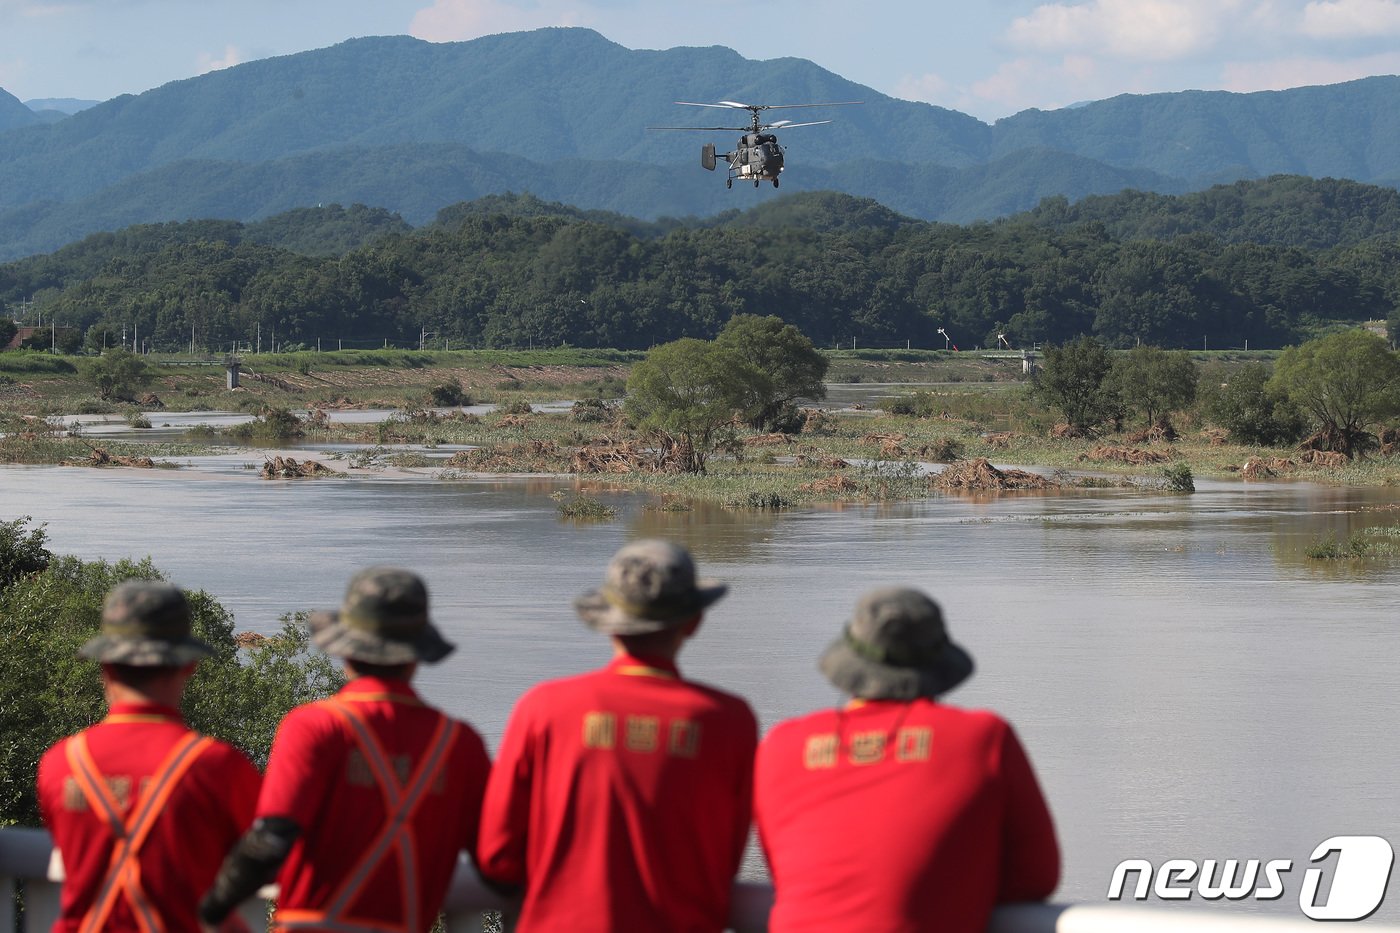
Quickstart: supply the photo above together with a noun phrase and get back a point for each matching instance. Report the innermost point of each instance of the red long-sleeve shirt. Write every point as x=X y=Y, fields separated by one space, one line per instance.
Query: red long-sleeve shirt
x=893 y=816
x=620 y=799
x=210 y=807
x=318 y=778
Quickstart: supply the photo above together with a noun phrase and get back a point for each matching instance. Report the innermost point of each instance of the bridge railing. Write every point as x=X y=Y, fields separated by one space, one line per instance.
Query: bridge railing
x=26 y=857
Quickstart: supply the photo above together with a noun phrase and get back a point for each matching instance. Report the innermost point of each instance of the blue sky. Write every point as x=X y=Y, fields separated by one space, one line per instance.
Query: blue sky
x=990 y=58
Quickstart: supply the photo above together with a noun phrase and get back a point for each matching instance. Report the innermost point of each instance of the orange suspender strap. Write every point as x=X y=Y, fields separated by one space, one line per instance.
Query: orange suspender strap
x=401 y=802
x=124 y=871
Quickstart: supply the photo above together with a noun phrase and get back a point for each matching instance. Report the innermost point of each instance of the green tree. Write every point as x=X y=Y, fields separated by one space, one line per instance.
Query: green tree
x=1345 y=381
x=8 y=329
x=1252 y=411
x=1154 y=382
x=102 y=337
x=47 y=691
x=117 y=373
x=690 y=390
x=1074 y=379
x=793 y=366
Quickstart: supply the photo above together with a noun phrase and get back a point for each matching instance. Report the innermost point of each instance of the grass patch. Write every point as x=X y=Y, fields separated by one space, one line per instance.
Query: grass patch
x=30 y=363
x=1366 y=544
x=580 y=507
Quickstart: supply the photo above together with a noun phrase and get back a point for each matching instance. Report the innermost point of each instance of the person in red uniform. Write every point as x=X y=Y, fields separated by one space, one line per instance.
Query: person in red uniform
x=621 y=798
x=898 y=812
x=370 y=795
x=141 y=808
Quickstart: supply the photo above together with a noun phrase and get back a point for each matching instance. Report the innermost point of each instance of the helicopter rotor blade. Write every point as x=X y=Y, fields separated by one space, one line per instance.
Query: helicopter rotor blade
x=788 y=124
x=722 y=105
x=831 y=103
x=735 y=129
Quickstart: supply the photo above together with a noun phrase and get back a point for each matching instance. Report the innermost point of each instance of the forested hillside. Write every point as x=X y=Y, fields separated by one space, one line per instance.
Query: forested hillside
x=1286 y=210
x=413 y=127
x=517 y=271
x=13 y=113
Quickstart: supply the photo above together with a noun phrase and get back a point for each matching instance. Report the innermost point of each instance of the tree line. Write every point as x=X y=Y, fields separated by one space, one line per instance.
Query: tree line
x=846 y=274
x=1342 y=387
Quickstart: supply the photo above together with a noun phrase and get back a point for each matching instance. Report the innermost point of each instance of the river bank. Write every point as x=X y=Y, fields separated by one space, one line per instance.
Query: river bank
x=892 y=422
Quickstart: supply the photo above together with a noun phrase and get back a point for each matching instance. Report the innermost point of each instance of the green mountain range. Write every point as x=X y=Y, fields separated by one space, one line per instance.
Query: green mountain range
x=412 y=126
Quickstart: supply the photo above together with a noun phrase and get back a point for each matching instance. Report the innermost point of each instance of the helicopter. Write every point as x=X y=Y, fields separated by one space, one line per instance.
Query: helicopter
x=758 y=156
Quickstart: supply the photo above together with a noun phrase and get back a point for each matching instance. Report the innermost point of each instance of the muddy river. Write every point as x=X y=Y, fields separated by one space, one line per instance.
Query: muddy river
x=1188 y=684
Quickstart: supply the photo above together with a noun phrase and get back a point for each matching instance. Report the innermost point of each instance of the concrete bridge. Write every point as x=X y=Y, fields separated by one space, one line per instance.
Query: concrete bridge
x=25 y=858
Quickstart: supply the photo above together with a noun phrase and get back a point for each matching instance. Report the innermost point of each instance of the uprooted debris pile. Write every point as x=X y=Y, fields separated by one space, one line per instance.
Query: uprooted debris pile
x=816 y=421
x=980 y=474
x=840 y=483
x=1064 y=430
x=1215 y=437
x=810 y=459
x=536 y=456
x=290 y=468
x=1265 y=467
x=1133 y=455
x=101 y=458
x=1000 y=440
x=1160 y=433
x=609 y=455
x=1323 y=458
x=891 y=445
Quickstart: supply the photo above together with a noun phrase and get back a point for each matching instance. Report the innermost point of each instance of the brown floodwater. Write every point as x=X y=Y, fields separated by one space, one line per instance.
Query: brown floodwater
x=1188 y=683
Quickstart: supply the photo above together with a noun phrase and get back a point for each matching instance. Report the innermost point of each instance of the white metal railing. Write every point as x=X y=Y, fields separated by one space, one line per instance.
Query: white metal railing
x=26 y=856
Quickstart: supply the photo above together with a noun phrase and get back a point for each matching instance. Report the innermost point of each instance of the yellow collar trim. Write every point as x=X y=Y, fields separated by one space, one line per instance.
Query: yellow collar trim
x=122 y=718
x=642 y=670
x=367 y=697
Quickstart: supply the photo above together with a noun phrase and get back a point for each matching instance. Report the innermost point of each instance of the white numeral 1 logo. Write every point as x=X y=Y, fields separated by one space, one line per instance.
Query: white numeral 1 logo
x=1358 y=883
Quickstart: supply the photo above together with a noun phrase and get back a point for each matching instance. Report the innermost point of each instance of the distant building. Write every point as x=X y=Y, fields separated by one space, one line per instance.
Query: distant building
x=21 y=334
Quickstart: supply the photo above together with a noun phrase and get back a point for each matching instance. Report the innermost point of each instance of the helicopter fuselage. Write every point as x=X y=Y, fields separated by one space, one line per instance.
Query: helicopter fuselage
x=758 y=156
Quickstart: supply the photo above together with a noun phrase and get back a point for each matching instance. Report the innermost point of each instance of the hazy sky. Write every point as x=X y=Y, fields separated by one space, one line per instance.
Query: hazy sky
x=989 y=58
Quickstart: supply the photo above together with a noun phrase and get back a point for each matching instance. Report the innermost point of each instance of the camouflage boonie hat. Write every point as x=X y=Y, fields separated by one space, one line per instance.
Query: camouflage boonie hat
x=895 y=648
x=146 y=623
x=383 y=620
x=650 y=586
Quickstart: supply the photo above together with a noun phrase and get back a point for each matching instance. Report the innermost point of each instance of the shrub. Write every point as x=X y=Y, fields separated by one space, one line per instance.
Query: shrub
x=1177 y=478
x=515 y=407
x=117 y=373
x=272 y=424
x=449 y=395
x=593 y=411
